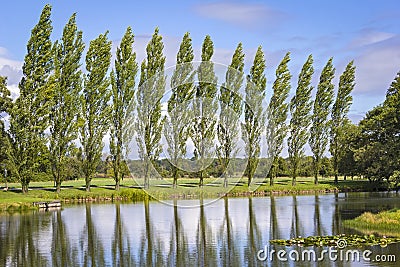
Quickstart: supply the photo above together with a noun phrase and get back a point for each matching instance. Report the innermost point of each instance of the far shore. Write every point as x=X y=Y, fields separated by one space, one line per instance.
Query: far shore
x=102 y=190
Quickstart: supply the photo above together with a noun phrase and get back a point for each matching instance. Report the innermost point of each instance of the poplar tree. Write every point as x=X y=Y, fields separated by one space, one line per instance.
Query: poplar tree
x=67 y=79
x=254 y=113
x=176 y=128
x=149 y=122
x=319 y=133
x=95 y=109
x=231 y=109
x=205 y=106
x=123 y=90
x=29 y=115
x=5 y=106
x=277 y=114
x=340 y=110
x=300 y=107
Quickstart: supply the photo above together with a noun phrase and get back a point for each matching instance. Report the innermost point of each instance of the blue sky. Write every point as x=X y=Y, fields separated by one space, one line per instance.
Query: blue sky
x=366 y=31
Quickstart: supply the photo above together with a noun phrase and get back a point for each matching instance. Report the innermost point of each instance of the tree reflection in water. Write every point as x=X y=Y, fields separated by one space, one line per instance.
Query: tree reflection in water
x=226 y=233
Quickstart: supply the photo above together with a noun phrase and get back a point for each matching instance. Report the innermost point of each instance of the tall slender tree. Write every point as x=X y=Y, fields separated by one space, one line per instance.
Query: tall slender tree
x=123 y=90
x=150 y=122
x=29 y=115
x=300 y=107
x=231 y=108
x=5 y=106
x=254 y=113
x=182 y=86
x=340 y=110
x=319 y=133
x=205 y=107
x=95 y=109
x=67 y=78
x=277 y=114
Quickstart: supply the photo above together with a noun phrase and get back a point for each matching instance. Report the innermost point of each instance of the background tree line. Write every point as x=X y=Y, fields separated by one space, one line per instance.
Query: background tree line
x=57 y=124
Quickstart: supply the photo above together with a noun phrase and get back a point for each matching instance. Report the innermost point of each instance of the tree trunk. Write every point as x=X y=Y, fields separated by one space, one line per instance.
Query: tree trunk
x=201 y=179
x=25 y=187
x=335 y=169
x=249 y=178
x=58 y=187
x=87 y=180
x=117 y=184
x=226 y=181
x=294 y=174
x=272 y=171
x=250 y=171
x=146 y=175
x=316 y=169
x=316 y=176
x=175 y=182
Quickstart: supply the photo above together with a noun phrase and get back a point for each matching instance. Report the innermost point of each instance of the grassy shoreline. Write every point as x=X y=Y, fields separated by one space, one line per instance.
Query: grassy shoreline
x=383 y=223
x=103 y=190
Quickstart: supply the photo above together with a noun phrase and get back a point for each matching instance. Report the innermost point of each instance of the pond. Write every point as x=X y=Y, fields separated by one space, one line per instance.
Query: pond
x=227 y=232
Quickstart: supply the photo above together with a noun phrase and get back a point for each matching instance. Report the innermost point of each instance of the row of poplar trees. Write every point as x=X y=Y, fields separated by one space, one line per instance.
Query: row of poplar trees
x=59 y=104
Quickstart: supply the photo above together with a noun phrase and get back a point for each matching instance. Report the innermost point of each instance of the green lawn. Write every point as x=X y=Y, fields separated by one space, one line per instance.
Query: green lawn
x=103 y=189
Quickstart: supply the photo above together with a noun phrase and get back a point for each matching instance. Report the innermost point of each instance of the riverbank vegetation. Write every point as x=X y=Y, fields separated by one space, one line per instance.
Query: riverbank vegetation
x=103 y=190
x=383 y=223
x=55 y=129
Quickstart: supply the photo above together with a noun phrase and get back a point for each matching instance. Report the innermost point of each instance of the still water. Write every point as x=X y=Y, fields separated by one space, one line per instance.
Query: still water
x=228 y=232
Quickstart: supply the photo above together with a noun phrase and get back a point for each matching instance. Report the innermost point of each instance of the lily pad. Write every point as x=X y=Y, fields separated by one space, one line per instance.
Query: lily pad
x=340 y=241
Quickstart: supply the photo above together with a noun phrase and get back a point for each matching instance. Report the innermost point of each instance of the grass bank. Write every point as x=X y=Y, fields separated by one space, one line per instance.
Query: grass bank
x=382 y=223
x=103 y=190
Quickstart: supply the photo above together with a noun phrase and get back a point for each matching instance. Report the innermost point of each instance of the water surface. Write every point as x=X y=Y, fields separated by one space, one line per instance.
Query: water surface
x=228 y=232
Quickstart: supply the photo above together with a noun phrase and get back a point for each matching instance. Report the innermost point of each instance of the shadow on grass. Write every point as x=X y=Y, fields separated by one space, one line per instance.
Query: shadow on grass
x=196 y=184
x=240 y=183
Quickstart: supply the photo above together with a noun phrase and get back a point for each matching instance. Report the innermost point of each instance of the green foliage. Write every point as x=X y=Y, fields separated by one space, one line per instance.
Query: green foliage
x=231 y=109
x=395 y=180
x=5 y=99
x=123 y=90
x=300 y=106
x=150 y=123
x=254 y=114
x=176 y=127
x=277 y=114
x=319 y=133
x=347 y=165
x=67 y=84
x=377 y=148
x=29 y=115
x=95 y=109
x=339 y=114
x=205 y=107
x=5 y=106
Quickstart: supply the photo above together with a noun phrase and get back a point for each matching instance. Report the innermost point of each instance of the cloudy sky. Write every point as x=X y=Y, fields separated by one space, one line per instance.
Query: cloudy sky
x=367 y=32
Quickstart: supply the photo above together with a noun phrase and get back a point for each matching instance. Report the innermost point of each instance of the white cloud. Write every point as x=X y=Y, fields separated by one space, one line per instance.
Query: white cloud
x=377 y=66
x=369 y=37
x=12 y=69
x=13 y=74
x=243 y=14
x=14 y=91
x=5 y=59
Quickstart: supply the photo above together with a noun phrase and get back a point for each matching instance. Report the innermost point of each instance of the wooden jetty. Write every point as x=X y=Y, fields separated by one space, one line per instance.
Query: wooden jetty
x=47 y=205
